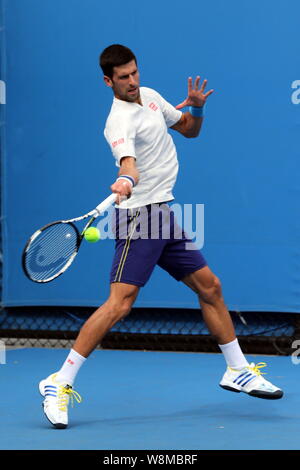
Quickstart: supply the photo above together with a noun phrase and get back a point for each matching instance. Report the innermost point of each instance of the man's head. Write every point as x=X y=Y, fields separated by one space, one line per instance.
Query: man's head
x=119 y=67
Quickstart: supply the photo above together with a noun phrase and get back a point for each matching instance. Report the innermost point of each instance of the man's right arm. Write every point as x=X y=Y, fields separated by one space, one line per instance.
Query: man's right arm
x=123 y=185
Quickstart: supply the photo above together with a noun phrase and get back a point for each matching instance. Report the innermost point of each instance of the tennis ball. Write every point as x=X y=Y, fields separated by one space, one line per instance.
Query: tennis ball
x=92 y=234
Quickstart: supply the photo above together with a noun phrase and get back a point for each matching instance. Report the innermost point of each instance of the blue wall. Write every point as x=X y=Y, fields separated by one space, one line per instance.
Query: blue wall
x=244 y=167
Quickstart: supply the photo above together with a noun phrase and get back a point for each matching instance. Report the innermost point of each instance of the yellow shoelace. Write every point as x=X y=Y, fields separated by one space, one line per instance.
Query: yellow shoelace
x=64 y=393
x=256 y=368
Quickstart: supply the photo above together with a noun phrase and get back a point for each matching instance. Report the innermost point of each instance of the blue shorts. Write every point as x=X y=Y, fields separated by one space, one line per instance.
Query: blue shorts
x=150 y=236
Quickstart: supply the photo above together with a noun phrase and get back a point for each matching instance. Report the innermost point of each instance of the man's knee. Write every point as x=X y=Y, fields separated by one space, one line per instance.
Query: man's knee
x=124 y=308
x=121 y=302
x=211 y=291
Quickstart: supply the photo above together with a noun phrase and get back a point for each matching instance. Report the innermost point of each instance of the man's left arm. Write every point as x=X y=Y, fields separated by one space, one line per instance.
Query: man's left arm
x=191 y=121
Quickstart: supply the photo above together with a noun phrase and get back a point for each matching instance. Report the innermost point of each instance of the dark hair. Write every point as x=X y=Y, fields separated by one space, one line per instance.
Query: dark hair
x=114 y=56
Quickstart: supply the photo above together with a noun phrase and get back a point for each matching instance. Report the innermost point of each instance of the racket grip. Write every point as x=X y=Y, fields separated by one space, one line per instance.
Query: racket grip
x=106 y=203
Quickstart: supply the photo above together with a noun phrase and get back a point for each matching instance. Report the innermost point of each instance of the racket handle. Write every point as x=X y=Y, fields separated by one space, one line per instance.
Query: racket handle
x=106 y=203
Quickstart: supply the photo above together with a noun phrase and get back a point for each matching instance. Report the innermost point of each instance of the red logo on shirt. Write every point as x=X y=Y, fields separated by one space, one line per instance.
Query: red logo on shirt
x=70 y=362
x=117 y=142
x=153 y=106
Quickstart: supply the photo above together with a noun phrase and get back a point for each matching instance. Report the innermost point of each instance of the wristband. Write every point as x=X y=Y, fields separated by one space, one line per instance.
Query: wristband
x=128 y=178
x=197 y=111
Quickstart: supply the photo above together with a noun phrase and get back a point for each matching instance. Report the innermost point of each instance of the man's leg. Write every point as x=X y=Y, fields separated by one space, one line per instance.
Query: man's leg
x=57 y=388
x=215 y=314
x=118 y=305
x=239 y=376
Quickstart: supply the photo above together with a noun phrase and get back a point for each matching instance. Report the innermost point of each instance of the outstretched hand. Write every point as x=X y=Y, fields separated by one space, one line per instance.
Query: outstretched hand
x=196 y=96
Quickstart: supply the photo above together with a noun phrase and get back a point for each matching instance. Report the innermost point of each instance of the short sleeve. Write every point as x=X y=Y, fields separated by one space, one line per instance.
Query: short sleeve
x=120 y=136
x=170 y=113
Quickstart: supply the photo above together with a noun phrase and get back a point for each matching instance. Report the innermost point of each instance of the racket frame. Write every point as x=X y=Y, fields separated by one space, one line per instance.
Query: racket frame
x=92 y=214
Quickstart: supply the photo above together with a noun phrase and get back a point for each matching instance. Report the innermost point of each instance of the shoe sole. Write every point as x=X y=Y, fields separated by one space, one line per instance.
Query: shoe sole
x=256 y=393
x=56 y=425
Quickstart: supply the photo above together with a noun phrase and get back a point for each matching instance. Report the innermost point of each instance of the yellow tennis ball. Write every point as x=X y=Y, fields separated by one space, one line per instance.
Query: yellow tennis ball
x=92 y=234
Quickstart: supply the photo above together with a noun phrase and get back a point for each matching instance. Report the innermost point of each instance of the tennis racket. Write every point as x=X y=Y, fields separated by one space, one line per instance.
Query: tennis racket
x=51 y=250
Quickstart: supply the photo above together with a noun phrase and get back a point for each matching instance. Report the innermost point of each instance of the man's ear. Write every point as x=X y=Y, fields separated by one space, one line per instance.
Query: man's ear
x=108 y=81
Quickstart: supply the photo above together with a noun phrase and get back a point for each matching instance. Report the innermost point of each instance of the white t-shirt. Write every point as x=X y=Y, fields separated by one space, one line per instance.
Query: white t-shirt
x=141 y=132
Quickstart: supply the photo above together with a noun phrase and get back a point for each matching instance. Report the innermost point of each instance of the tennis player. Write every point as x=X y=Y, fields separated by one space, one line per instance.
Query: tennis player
x=137 y=132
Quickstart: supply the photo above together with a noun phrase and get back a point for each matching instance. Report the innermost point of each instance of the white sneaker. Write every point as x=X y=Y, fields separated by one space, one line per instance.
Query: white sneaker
x=56 y=401
x=249 y=380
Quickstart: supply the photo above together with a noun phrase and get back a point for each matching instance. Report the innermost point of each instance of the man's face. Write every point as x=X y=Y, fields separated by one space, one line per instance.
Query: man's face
x=125 y=82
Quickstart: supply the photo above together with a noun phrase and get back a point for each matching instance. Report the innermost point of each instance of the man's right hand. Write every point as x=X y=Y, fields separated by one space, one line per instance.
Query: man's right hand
x=123 y=189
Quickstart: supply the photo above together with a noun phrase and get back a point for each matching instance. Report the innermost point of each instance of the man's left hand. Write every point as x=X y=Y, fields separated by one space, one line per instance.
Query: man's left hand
x=196 y=95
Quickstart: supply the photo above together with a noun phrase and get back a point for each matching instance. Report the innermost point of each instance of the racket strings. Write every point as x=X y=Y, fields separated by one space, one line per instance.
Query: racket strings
x=51 y=250
x=51 y=246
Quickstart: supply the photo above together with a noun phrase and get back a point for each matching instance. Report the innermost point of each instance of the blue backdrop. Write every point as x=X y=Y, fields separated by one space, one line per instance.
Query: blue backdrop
x=244 y=167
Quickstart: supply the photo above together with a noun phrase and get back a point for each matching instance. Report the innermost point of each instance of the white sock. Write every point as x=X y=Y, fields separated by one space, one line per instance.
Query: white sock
x=233 y=355
x=70 y=367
